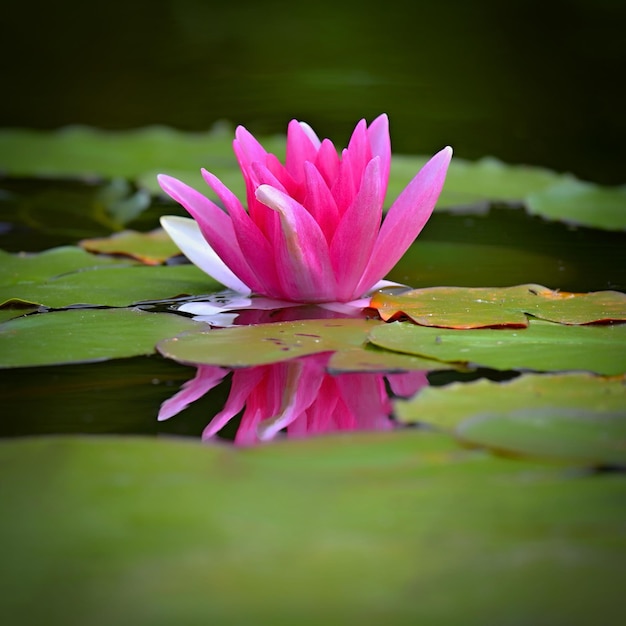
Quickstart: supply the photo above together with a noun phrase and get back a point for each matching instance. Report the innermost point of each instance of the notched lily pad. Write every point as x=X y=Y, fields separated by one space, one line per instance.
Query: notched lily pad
x=543 y=346
x=462 y=308
x=85 y=335
x=573 y=434
x=260 y=344
x=153 y=248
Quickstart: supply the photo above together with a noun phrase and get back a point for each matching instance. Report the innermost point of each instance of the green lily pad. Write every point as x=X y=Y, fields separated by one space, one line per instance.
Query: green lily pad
x=85 y=335
x=110 y=286
x=543 y=346
x=455 y=307
x=476 y=183
x=151 y=248
x=330 y=530
x=579 y=202
x=447 y=407
x=597 y=438
x=372 y=359
x=23 y=268
x=260 y=344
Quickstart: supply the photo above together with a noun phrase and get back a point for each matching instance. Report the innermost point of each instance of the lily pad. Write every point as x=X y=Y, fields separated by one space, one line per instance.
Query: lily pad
x=85 y=335
x=372 y=359
x=447 y=407
x=572 y=434
x=455 y=307
x=110 y=286
x=151 y=248
x=24 y=268
x=332 y=530
x=543 y=346
x=579 y=202
x=261 y=344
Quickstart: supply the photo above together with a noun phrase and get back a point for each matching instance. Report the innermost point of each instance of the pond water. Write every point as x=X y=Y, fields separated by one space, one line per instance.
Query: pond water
x=499 y=500
x=503 y=246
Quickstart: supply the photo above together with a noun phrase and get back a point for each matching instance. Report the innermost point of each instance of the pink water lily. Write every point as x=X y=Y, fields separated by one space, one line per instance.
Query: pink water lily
x=314 y=229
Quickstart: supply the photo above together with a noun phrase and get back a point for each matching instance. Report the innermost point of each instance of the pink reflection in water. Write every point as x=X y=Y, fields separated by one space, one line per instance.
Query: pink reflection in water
x=297 y=396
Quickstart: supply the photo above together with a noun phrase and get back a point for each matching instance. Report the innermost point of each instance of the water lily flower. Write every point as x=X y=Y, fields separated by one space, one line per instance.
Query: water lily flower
x=313 y=230
x=297 y=396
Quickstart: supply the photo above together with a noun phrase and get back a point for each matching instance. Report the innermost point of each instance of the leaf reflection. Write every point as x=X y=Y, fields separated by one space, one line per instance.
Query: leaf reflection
x=297 y=397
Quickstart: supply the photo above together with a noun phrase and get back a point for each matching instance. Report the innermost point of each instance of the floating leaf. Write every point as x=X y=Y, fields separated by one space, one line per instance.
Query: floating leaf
x=331 y=530
x=85 y=335
x=470 y=184
x=372 y=359
x=70 y=276
x=260 y=344
x=448 y=406
x=456 y=307
x=151 y=248
x=24 y=268
x=579 y=202
x=543 y=346
x=595 y=438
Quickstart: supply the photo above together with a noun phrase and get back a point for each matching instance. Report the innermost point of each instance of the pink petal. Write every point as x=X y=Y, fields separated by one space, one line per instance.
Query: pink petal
x=216 y=227
x=360 y=152
x=302 y=256
x=207 y=377
x=300 y=148
x=354 y=239
x=407 y=384
x=344 y=188
x=319 y=202
x=378 y=133
x=251 y=240
x=301 y=381
x=327 y=162
x=244 y=381
x=406 y=218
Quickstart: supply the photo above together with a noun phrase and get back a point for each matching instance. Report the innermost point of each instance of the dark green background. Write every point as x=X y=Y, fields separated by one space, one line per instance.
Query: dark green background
x=531 y=81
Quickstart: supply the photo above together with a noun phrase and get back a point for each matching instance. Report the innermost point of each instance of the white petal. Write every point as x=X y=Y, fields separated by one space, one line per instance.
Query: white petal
x=311 y=134
x=186 y=234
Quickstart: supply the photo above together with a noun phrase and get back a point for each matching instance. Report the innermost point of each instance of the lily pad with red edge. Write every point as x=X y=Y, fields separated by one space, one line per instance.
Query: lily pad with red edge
x=462 y=308
x=543 y=346
x=153 y=248
x=448 y=406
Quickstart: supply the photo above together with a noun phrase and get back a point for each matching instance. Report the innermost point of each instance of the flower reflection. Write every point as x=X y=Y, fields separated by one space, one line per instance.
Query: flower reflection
x=298 y=397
